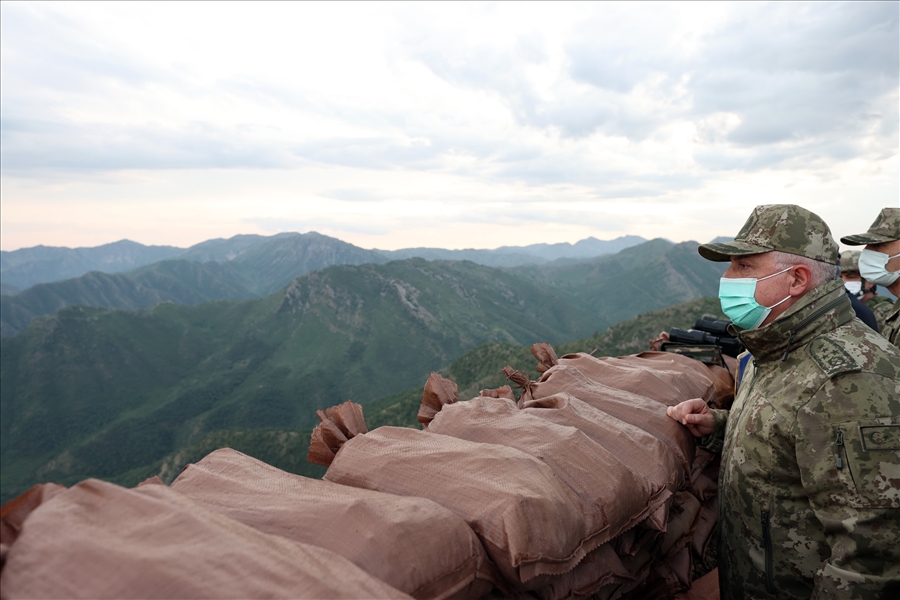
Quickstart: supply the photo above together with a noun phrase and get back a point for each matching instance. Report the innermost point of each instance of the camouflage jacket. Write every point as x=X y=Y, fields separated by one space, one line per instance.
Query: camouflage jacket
x=809 y=488
x=891 y=327
x=881 y=308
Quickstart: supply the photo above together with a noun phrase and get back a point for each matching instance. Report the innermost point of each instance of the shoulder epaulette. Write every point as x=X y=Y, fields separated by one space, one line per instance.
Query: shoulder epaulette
x=831 y=357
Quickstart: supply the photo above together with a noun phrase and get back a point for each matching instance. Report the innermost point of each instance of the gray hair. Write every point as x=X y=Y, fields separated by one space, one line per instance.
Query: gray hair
x=822 y=272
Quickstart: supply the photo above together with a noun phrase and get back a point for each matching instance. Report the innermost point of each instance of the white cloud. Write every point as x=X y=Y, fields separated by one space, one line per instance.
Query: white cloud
x=394 y=125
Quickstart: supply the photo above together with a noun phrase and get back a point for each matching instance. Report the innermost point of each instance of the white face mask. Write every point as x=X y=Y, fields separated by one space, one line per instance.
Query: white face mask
x=854 y=287
x=873 y=267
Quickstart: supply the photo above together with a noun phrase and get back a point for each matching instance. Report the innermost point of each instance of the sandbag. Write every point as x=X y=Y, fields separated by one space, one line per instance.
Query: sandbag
x=662 y=376
x=614 y=497
x=599 y=569
x=413 y=544
x=640 y=411
x=99 y=540
x=438 y=392
x=668 y=577
x=705 y=588
x=640 y=451
x=681 y=524
x=337 y=425
x=14 y=513
x=704 y=527
x=529 y=521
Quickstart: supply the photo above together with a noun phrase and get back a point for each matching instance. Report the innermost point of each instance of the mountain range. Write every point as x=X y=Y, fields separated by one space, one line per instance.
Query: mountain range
x=90 y=391
x=21 y=269
x=242 y=267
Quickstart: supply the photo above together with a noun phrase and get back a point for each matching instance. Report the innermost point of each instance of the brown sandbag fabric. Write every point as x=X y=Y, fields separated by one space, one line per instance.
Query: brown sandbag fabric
x=672 y=566
x=501 y=392
x=412 y=544
x=668 y=577
x=337 y=425
x=529 y=521
x=545 y=355
x=14 y=513
x=662 y=376
x=705 y=588
x=99 y=540
x=705 y=526
x=724 y=386
x=638 y=450
x=614 y=498
x=438 y=392
x=601 y=568
x=720 y=376
x=640 y=411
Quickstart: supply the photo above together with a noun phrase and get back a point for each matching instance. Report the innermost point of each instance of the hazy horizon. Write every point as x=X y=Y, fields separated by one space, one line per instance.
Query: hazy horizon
x=296 y=232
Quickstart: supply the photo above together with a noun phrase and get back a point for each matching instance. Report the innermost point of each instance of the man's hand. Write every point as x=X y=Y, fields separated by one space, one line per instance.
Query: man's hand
x=695 y=415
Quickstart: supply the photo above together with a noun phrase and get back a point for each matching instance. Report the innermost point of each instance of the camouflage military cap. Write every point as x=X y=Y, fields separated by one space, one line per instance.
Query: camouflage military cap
x=886 y=228
x=849 y=261
x=783 y=227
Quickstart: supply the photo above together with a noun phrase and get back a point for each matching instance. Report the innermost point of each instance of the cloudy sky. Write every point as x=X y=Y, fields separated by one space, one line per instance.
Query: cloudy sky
x=445 y=125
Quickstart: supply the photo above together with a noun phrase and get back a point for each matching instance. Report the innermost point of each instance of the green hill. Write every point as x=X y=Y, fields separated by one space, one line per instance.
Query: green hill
x=641 y=278
x=475 y=370
x=101 y=392
x=178 y=281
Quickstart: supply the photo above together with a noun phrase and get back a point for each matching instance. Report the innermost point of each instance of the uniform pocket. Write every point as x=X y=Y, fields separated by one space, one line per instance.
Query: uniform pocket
x=872 y=460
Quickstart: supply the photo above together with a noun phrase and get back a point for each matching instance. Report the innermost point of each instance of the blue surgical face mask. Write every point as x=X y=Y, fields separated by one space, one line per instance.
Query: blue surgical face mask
x=738 y=299
x=873 y=267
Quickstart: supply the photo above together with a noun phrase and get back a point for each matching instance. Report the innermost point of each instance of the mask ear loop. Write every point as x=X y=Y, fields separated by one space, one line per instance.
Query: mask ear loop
x=778 y=273
x=769 y=308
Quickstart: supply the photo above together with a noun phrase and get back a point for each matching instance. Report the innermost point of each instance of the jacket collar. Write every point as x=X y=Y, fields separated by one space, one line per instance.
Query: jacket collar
x=823 y=309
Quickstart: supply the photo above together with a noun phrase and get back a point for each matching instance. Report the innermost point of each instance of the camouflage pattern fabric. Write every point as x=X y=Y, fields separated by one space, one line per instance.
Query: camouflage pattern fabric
x=891 y=329
x=881 y=308
x=886 y=228
x=850 y=261
x=783 y=227
x=809 y=502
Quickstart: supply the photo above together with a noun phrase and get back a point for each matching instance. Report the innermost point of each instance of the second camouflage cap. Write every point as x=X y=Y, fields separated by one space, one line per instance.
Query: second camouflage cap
x=849 y=261
x=886 y=228
x=783 y=227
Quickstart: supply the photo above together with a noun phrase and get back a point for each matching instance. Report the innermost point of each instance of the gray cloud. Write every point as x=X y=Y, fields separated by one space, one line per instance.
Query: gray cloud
x=811 y=84
x=37 y=145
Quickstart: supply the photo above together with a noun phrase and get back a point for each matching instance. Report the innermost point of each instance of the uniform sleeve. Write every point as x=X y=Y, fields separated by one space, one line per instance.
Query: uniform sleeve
x=715 y=440
x=848 y=451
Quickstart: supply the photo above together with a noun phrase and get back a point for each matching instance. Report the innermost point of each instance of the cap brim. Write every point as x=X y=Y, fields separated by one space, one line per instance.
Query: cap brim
x=866 y=238
x=723 y=251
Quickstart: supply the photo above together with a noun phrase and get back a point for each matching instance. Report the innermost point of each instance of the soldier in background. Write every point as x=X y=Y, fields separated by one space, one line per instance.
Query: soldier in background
x=879 y=263
x=863 y=292
x=808 y=502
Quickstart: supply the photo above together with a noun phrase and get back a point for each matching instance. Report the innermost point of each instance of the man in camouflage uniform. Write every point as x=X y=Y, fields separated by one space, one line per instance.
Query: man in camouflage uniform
x=809 y=488
x=884 y=237
x=857 y=289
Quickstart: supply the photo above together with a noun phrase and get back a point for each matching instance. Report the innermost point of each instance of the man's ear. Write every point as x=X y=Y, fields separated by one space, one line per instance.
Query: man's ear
x=801 y=280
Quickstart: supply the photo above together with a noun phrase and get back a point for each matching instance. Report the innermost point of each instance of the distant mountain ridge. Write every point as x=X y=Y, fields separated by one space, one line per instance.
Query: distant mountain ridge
x=42 y=264
x=512 y=256
x=26 y=267
x=241 y=267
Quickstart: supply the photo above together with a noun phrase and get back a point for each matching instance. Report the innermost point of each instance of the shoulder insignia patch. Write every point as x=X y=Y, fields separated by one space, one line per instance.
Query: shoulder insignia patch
x=831 y=357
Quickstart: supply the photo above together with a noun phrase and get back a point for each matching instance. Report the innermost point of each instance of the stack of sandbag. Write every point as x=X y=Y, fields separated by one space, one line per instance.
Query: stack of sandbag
x=580 y=487
x=661 y=567
x=99 y=540
x=583 y=486
x=412 y=544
